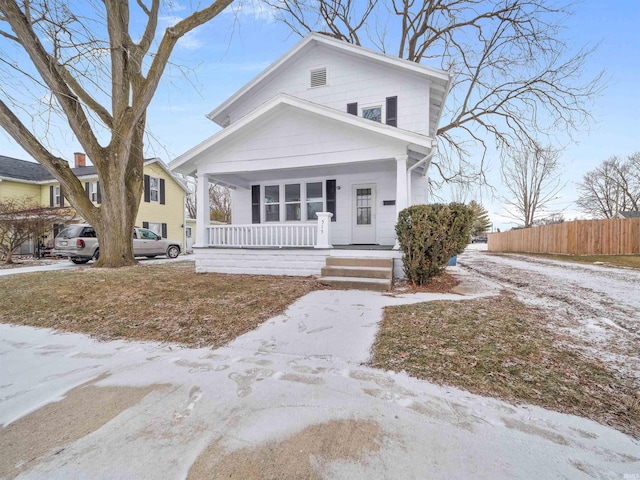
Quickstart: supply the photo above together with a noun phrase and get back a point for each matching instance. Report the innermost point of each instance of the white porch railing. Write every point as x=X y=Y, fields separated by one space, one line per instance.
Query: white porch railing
x=310 y=235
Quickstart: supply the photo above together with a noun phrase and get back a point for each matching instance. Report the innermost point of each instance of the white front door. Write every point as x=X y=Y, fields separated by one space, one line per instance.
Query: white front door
x=364 y=214
x=188 y=233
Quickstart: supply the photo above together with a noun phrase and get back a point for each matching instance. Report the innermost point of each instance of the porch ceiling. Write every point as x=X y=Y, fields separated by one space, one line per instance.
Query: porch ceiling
x=246 y=179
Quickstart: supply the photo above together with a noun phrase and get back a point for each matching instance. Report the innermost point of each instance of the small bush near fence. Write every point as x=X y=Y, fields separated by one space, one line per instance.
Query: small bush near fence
x=430 y=235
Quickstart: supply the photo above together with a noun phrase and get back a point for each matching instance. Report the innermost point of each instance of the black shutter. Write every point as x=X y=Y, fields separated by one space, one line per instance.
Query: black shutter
x=86 y=189
x=145 y=224
x=255 y=203
x=392 y=111
x=331 y=198
x=147 y=193
x=61 y=197
x=51 y=194
x=164 y=230
x=161 y=191
x=98 y=194
x=352 y=108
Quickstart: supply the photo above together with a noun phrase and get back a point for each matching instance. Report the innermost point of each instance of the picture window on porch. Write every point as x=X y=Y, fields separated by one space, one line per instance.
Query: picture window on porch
x=272 y=203
x=373 y=113
x=292 y=201
x=315 y=200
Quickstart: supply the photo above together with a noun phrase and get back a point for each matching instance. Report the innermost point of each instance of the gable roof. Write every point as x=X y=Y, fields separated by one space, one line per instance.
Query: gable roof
x=441 y=80
x=32 y=172
x=186 y=162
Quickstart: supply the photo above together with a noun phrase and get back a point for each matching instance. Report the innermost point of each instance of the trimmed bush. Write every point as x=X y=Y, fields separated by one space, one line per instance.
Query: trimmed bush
x=430 y=235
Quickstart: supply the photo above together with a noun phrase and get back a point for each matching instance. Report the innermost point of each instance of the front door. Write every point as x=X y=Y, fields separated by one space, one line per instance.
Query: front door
x=364 y=214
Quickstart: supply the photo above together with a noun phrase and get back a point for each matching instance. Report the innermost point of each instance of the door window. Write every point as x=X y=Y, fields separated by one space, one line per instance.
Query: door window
x=363 y=206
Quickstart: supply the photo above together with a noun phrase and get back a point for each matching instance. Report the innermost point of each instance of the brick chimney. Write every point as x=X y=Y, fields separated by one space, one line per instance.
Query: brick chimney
x=79 y=160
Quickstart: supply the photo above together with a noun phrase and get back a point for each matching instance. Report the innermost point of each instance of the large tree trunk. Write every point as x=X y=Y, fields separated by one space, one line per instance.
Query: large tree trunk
x=122 y=177
x=9 y=257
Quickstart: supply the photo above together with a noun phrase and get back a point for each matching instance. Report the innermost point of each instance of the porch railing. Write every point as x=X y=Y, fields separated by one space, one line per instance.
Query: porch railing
x=310 y=235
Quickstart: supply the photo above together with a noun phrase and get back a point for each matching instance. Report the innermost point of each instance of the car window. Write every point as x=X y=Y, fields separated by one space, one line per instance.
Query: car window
x=89 y=232
x=71 y=232
x=147 y=234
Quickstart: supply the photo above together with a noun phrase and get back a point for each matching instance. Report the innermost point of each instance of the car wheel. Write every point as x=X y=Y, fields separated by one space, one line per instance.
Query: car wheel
x=79 y=261
x=173 y=251
x=151 y=256
x=96 y=255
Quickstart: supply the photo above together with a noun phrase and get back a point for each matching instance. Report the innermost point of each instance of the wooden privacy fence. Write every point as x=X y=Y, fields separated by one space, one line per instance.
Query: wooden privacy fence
x=618 y=236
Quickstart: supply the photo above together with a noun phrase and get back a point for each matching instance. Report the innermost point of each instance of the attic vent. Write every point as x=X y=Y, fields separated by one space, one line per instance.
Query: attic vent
x=318 y=77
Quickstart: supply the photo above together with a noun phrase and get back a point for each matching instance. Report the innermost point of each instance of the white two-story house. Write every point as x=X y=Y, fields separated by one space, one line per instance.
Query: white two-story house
x=321 y=151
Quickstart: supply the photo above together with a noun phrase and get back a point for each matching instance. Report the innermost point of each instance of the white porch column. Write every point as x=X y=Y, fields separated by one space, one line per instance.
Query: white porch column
x=402 y=190
x=324 y=225
x=202 y=214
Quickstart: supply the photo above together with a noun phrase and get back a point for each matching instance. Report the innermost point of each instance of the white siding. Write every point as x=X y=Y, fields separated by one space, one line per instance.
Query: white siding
x=260 y=262
x=349 y=80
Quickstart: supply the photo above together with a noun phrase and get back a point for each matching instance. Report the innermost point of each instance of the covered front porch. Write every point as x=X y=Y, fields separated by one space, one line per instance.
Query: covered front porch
x=304 y=179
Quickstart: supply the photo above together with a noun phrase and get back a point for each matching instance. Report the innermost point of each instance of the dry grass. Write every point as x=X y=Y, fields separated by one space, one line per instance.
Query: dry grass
x=499 y=347
x=443 y=283
x=630 y=261
x=166 y=303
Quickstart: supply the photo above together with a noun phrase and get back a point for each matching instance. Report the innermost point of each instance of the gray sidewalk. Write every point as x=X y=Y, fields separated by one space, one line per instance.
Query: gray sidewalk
x=292 y=396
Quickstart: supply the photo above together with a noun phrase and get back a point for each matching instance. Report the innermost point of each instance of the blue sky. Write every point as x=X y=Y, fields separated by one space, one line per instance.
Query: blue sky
x=226 y=53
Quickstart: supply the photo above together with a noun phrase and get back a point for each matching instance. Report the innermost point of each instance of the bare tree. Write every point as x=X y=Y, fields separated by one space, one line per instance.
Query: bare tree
x=22 y=219
x=101 y=81
x=532 y=178
x=513 y=74
x=220 y=203
x=611 y=187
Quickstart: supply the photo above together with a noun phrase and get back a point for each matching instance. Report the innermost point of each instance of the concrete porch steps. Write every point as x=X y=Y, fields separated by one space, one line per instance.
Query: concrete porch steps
x=358 y=273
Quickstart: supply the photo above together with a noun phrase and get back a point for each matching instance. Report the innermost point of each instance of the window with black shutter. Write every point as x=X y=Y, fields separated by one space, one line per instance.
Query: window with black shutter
x=255 y=203
x=352 y=108
x=161 y=191
x=392 y=111
x=52 y=196
x=147 y=192
x=164 y=230
x=331 y=198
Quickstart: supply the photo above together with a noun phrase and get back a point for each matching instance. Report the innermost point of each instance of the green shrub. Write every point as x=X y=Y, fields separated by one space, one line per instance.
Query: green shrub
x=430 y=235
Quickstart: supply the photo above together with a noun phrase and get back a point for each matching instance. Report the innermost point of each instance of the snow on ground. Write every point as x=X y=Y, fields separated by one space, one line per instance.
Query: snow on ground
x=596 y=307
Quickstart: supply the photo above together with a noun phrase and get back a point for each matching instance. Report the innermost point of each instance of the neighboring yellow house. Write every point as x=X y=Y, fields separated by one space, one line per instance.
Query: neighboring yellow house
x=162 y=208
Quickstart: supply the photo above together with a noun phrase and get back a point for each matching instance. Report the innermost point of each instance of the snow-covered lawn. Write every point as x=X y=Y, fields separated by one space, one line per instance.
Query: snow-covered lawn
x=597 y=308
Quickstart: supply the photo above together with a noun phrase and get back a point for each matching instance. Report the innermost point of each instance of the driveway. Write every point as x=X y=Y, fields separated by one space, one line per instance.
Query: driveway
x=291 y=399
x=595 y=306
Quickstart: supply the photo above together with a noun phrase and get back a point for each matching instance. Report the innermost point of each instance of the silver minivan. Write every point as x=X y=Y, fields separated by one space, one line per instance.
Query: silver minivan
x=79 y=243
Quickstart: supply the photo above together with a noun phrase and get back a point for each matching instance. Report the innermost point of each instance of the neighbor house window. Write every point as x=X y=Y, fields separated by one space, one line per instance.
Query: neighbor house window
x=292 y=201
x=154 y=189
x=272 y=203
x=315 y=200
x=93 y=192
x=156 y=228
x=373 y=113
x=57 y=196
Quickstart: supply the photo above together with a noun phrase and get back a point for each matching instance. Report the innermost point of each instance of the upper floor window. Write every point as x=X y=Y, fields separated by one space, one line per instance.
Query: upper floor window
x=93 y=192
x=318 y=77
x=154 y=189
x=373 y=113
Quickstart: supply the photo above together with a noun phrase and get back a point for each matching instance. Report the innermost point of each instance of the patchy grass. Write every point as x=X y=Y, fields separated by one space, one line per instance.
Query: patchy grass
x=165 y=303
x=630 y=261
x=499 y=347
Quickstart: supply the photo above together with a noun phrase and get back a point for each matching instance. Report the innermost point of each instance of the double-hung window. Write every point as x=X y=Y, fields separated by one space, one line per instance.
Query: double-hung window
x=292 y=201
x=57 y=197
x=272 y=203
x=315 y=200
x=154 y=189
